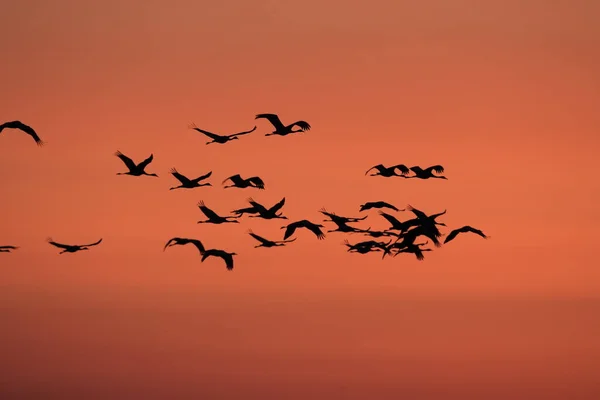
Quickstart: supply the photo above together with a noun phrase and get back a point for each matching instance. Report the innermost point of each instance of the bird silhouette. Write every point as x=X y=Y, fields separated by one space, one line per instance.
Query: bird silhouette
x=221 y=139
x=389 y=171
x=135 y=170
x=213 y=217
x=283 y=130
x=395 y=222
x=23 y=127
x=7 y=249
x=377 y=204
x=72 y=248
x=177 y=241
x=268 y=243
x=429 y=222
x=333 y=217
x=239 y=182
x=366 y=246
x=464 y=229
x=227 y=257
x=270 y=213
x=314 y=228
x=414 y=249
x=427 y=172
x=187 y=183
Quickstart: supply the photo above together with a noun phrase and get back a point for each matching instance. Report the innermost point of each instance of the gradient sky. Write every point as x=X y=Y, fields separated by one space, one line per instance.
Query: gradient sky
x=504 y=94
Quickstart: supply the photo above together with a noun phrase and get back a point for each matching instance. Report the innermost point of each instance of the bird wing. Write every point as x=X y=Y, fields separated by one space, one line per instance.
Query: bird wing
x=358 y=219
x=228 y=260
x=325 y=212
x=128 y=161
x=273 y=119
x=289 y=231
x=25 y=128
x=257 y=182
x=9 y=247
x=403 y=168
x=474 y=230
x=416 y=169
x=60 y=245
x=435 y=168
x=418 y=213
x=210 y=214
x=198 y=245
x=303 y=125
x=377 y=167
x=169 y=242
x=207 y=133
x=147 y=161
x=452 y=235
x=243 y=133
x=259 y=238
x=434 y=216
x=205 y=176
x=92 y=244
x=277 y=206
x=388 y=205
x=390 y=218
x=286 y=241
x=184 y=180
x=234 y=178
x=316 y=230
x=257 y=206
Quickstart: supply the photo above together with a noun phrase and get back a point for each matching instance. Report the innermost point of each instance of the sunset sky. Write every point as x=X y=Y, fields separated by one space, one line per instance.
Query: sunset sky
x=504 y=94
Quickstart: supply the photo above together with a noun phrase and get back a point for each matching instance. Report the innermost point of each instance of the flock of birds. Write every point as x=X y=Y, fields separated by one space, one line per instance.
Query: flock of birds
x=401 y=236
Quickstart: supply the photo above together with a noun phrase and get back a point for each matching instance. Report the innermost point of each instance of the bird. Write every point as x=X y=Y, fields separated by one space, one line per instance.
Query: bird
x=377 y=204
x=213 y=217
x=464 y=229
x=333 y=217
x=397 y=225
x=415 y=249
x=72 y=248
x=7 y=249
x=428 y=172
x=389 y=171
x=360 y=248
x=247 y=210
x=221 y=139
x=23 y=127
x=265 y=213
x=187 y=183
x=426 y=221
x=227 y=257
x=344 y=227
x=283 y=130
x=268 y=243
x=314 y=228
x=183 y=241
x=239 y=182
x=135 y=170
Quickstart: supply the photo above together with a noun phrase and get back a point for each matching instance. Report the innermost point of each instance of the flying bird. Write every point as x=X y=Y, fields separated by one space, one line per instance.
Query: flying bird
x=221 y=139
x=268 y=243
x=134 y=170
x=7 y=249
x=337 y=218
x=23 y=127
x=213 y=217
x=377 y=204
x=72 y=248
x=227 y=257
x=464 y=229
x=265 y=213
x=414 y=249
x=428 y=172
x=314 y=228
x=239 y=182
x=389 y=171
x=283 y=130
x=183 y=241
x=187 y=183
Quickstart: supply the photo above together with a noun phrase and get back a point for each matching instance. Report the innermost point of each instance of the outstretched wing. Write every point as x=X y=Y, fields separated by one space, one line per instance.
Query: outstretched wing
x=56 y=244
x=378 y=167
x=452 y=235
x=207 y=133
x=289 y=231
x=403 y=168
x=198 y=245
x=277 y=206
x=91 y=244
x=236 y=179
x=436 y=168
x=257 y=182
x=205 y=176
x=9 y=247
x=25 y=128
x=327 y=213
x=184 y=180
x=210 y=214
x=257 y=206
x=273 y=119
x=475 y=231
x=169 y=242
x=390 y=218
x=259 y=238
x=128 y=161
x=388 y=205
x=316 y=230
x=420 y=214
x=147 y=161
x=243 y=133
x=303 y=125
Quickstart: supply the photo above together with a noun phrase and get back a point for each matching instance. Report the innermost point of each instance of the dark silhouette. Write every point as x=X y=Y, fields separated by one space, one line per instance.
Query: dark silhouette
x=135 y=170
x=268 y=243
x=7 y=249
x=427 y=172
x=366 y=246
x=377 y=204
x=389 y=171
x=414 y=249
x=72 y=248
x=410 y=236
x=213 y=217
x=239 y=182
x=247 y=210
x=227 y=257
x=221 y=139
x=314 y=228
x=377 y=234
x=337 y=218
x=265 y=213
x=464 y=229
x=345 y=228
x=397 y=225
x=428 y=222
x=25 y=128
x=183 y=241
x=283 y=130
x=187 y=183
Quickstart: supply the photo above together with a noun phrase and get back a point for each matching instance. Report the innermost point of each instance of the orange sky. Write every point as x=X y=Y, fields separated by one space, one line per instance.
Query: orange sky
x=504 y=94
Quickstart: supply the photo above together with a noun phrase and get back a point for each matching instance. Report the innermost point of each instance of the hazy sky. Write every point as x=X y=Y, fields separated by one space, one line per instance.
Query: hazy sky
x=504 y=94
